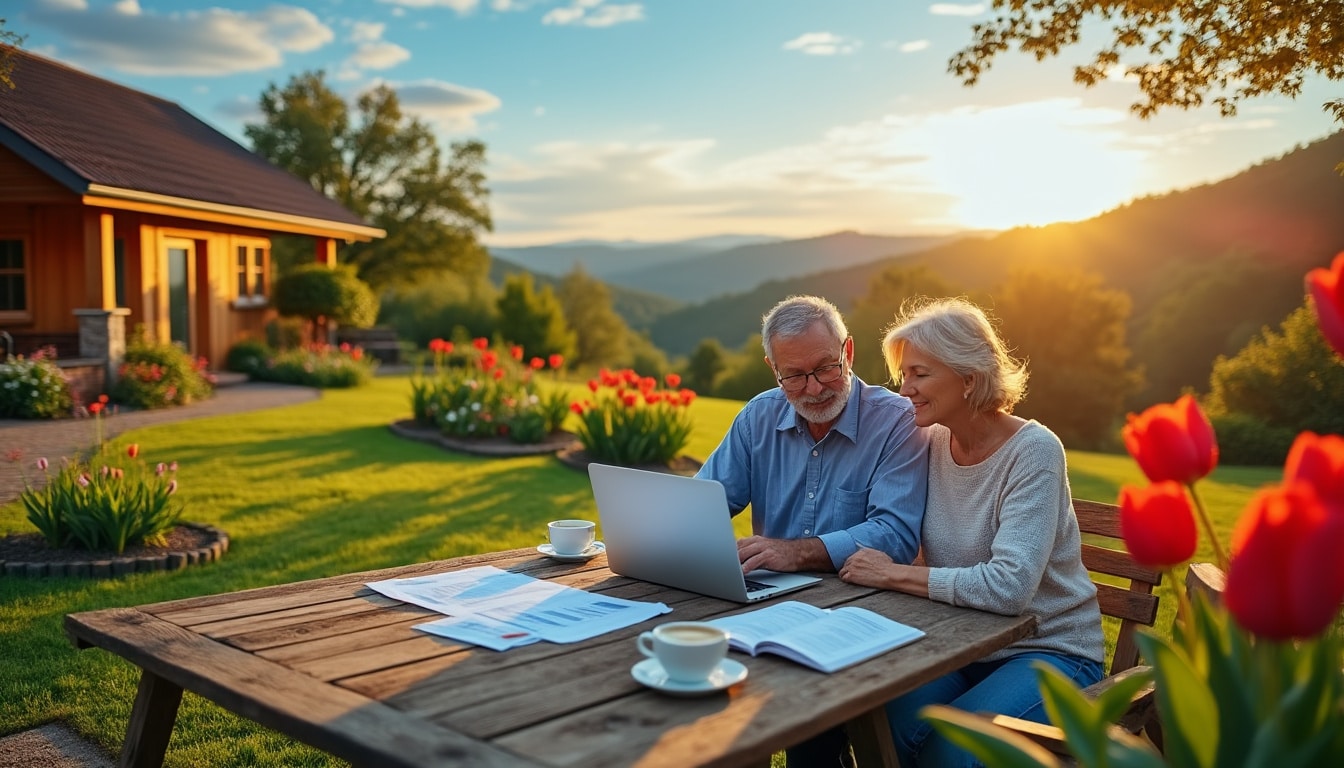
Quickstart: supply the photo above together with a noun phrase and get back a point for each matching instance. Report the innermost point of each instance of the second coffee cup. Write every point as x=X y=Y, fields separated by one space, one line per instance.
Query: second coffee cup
x=570 y=537
x=689 y=651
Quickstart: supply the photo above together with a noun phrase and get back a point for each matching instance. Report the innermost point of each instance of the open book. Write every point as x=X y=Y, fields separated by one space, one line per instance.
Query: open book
x=823 y=639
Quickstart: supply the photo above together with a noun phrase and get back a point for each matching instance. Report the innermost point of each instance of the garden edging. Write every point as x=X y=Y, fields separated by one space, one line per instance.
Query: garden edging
x=112 y=567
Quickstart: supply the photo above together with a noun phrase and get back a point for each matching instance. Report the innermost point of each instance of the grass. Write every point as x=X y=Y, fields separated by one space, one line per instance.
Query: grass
x=324 y=488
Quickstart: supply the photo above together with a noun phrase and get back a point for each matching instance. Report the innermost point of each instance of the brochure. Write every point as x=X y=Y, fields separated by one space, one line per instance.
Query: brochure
x=825 y=639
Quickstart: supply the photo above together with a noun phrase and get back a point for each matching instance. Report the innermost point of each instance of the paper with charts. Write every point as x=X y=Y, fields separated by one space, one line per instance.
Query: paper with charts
x=498 y=609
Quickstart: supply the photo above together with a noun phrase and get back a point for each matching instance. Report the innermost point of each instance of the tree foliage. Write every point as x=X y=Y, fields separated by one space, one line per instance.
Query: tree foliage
x=386 y=167
x=1071 y=331
x=747 y=373
x=1287 y=378
x=443 y=305
x=533 y=319
x=8 y=37
x=1182 y=52
x=703 y=367
x=601 y=336
x=875 y=311
x=320 y=293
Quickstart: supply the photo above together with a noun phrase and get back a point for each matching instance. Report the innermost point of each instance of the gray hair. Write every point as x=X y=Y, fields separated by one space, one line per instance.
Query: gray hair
x=796 y=315
x=959 y=334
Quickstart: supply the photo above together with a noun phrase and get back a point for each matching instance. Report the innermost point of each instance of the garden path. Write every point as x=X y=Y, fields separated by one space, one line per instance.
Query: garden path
x=67 y=437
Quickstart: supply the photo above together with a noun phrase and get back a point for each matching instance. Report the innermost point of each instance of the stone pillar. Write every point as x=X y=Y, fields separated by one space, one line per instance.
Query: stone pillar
x=102 y=336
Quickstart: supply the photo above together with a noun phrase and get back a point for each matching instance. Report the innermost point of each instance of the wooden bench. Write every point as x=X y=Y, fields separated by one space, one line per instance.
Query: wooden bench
x=379 y=342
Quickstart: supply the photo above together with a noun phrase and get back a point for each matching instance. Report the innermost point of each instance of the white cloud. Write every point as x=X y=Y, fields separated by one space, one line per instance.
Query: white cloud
x=994 y=168
x=822 y=44
x=452 y=107
x=593 y=13
x=957 y=9
x=366 y=31
x=914 y=46
x=213 y=42
x=379 y=55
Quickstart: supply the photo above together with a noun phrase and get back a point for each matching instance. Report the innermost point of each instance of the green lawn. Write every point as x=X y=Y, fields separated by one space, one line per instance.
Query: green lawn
x=320 y=489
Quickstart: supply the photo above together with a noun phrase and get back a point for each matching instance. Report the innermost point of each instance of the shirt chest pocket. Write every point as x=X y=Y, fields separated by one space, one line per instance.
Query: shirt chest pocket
x=849 y=507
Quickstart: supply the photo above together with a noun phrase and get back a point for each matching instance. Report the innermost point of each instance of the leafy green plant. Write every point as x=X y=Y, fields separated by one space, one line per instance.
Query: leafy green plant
x=158 y=375
x=475 y=391
x=105 y=504
x=318 y=292
x=33 y=388
x=318 y=365
x=248 y=356
x=630 y=420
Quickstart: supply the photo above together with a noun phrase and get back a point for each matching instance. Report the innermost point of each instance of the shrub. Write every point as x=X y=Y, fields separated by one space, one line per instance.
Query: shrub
x=248 y=356
x=155 y=375
x=1246 y=440
x=33 y=388
x=316 y=291
x=105 y=503
x=285 y=333
x=318 y=365
x=629 y=420
x=476 y=391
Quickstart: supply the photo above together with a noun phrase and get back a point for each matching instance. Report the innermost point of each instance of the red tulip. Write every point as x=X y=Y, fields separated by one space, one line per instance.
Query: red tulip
x=556 y=361
x=630 y=399
x=95 y=408
x=1286 y=579
x=516 y=352
x=498 y=374
x=133 y=450
x=577 y=408
x=1326 y=287
x=1172 y=441
x=673 y=380
x=1157 y=524
x=480 y=343
x=1319 y=461
x=536 y=363
x=593 y=384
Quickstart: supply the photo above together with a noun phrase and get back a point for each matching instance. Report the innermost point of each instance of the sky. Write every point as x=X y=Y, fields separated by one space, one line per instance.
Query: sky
x=673 y=119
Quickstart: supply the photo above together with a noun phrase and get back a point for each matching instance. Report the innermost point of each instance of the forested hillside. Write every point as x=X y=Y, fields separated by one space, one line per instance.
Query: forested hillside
x=1204 y=268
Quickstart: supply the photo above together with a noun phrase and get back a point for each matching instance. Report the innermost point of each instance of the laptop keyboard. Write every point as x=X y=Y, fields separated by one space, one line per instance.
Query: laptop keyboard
x=755 y=586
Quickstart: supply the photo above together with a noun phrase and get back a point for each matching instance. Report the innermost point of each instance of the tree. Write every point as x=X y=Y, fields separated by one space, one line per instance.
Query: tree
x=533 y=319
x=387 y=168
x=443 y=306
x=706 y=362
x=320 y=293
x=601 y=336
x=746 y=374
x=1071 y=331
x=875 y=311
x=1183 y=51
x=8 y=37
x=1289 y=379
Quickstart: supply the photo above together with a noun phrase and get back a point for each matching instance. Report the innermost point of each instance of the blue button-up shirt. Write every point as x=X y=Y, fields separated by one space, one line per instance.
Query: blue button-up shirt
x=863 y=484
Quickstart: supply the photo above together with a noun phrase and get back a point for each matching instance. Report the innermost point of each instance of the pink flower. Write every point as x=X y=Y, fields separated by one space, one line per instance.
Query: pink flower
x=160 y=468
x=42 y=463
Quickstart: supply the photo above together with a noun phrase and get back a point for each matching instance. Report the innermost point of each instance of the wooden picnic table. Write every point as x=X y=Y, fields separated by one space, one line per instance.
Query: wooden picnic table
x=333 y=664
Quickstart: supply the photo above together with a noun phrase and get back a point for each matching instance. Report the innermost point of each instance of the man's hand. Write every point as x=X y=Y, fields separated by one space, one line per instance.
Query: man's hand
x=783 y=554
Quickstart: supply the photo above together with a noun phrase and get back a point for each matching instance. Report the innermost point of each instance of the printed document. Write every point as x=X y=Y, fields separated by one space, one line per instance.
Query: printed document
x=500 y=610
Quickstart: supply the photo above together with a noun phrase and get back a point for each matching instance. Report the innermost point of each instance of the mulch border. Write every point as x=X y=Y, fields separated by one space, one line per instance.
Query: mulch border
x=113 y=567
x=485 y=446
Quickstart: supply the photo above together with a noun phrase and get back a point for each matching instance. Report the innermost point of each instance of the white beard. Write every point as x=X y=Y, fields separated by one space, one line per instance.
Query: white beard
x=825 y=408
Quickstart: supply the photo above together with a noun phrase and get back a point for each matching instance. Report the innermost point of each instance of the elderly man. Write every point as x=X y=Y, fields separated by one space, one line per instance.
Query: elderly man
x=827 y=463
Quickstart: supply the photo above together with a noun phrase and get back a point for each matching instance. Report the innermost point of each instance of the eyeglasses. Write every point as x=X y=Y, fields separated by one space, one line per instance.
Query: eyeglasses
x=826 y=374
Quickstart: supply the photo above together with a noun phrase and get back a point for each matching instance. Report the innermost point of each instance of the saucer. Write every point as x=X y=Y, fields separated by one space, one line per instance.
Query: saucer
x=593 y=550
x=649 y=672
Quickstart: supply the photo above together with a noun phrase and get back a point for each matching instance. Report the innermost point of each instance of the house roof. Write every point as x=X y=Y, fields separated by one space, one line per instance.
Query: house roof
x=104 y=140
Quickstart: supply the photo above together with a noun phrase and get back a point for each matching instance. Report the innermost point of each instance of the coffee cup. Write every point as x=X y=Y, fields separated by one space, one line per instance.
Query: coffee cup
x=570 y=537
x=688 y=650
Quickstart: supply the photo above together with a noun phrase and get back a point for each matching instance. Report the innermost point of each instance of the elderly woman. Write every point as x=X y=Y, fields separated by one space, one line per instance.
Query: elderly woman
x=999 y=532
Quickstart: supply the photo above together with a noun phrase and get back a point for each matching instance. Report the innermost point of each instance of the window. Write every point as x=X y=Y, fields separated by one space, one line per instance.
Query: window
x=250 y=266
x=13 y=278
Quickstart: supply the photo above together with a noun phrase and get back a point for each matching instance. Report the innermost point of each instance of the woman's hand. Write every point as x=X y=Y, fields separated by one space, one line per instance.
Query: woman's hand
x=868 y=568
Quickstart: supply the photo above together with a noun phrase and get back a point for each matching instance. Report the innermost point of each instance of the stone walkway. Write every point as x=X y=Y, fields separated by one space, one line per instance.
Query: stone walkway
x=55 y=745
x=68 y=437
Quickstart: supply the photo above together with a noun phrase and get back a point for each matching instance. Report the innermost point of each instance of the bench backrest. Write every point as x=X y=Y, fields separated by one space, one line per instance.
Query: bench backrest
x=1134 y=605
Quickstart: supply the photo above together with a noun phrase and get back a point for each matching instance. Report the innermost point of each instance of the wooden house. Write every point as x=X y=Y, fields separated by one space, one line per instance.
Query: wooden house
x=120 y=209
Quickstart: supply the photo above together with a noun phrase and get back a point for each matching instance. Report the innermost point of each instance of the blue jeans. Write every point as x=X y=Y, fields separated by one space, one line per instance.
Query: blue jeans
x=1005 y=687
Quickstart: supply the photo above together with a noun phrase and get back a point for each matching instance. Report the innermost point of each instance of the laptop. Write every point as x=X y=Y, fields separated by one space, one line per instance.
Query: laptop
x=677 y=531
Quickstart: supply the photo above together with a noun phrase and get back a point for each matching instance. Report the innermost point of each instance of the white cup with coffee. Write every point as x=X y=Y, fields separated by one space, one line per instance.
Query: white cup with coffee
x=571 y=537
x=689 y=651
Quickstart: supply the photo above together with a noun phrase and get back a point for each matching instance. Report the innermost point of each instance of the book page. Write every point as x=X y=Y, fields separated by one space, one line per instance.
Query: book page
x=746 y=630
x=846 y=636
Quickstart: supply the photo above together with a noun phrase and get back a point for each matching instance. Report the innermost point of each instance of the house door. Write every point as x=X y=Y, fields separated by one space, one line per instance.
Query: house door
x=181 y=257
